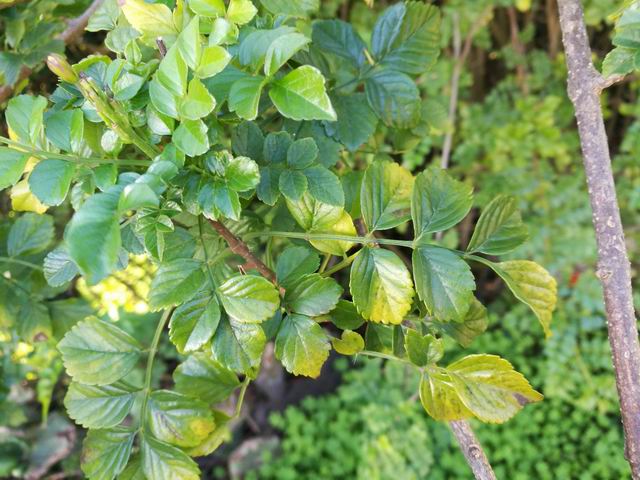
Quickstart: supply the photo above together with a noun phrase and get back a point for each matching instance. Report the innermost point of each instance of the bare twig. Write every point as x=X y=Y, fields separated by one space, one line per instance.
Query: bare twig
x=238 y=247
x=518 y=47
x=472 y=450
x=75 y=28
x=584 y=87
x=461 y=52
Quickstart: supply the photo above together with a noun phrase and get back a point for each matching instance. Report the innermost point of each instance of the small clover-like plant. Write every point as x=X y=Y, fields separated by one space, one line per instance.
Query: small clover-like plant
x=225 y=143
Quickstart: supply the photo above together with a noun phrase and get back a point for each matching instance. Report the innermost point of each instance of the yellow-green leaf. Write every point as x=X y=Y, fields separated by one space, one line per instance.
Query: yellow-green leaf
x=350 y=343
x=302 y=346
x=151 y=19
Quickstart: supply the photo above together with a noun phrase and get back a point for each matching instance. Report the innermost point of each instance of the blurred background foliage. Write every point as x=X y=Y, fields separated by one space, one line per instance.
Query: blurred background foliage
x=514 y=133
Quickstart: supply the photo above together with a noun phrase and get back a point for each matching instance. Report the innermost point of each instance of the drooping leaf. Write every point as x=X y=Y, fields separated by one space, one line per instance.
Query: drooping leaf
x=385 y=196
x=162 y=461
x=484 y=386
x=381 y=286
x=93 y=235
x=50 y=181
x=175 y=282
x=313 y=295
x=238 y=346
x=349 y=343
x=302 y=346
x=98 y=353
x=499 y=229
x=301 y=95
x=444 y=282
x=532 y=285
x=31 y=233
x=249 y=298
x=439 y=202
x=177 y=419
x=105 y=453
x=194 y=322
x=201 y=377
x=99 y=406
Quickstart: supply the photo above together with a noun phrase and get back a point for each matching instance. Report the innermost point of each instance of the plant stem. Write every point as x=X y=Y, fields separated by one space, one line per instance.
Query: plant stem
x=472 y=450
x=333 y=237
x=339 y=266
x=206 y=254
x=24 y=263
x=153 y=349
x=243 y=391
x=585 y=85
x=384 y=356
x=73 y=158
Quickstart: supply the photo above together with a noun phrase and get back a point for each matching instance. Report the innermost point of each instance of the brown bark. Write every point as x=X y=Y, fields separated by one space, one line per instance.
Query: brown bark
x=75 y=28
x=584 y=87
x=472 y=450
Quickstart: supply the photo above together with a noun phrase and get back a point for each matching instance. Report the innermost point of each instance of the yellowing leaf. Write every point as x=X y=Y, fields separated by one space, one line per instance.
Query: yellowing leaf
x=22 y=200
x=381 y=286
x=484 y=386
x=241 y=11
x=349 y=344
x=151 y=19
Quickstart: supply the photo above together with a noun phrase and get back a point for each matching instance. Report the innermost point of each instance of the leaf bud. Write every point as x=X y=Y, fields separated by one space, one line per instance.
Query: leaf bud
x=59 y=65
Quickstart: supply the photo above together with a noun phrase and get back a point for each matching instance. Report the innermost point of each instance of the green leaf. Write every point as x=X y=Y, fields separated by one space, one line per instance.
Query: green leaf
x=93 y=235
x=484 y=386
x=105 y=17
x=152 y=20
x=294 y=8
x=339 y=38
x=242 y=174
x=421 y=349
x=345 y=316
x=385 y=196
x=444 y=282
x=163 y=99
x=244 y=97
x=193 y=323
x=50 y=181
x=295 y=262
x=162 y=461
x=381 y=286
x=324 y=185
x=499 y=229
x=177 y=419
x=59 y=268
x=292 y=184
x=619 y=61
x=352 y=134
x=386 y=29
x=474 y=324
x=191 y=138
x=249 y=298
x=214 y=60
x=176 y=282
x=254 y=47
x=248 y=141
x=12 y=164
x=532 y=285
x=31 y=233
x=98 y=353
x=220 y=434
x=313 y=295
x=99 y=406
x=201 y=377
x=65 y=129
x=35 y=322
x=302 y=346
x=416 y=47
x=302 y=153
x=189 y=44
x=439 y=202
x=173 y=71
x=350 y=343
x=105 y=453
x=238 y=346
x=198 y=103
x=241 y=11
x=394 y=97
x=281 y=50
x=208 y=8
x=301 y=95
x=24 y=118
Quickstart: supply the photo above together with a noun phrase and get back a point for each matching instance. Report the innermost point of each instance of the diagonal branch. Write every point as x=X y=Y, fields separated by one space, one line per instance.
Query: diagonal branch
x=472 y=450
x=584 y=87
x=75 y=28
